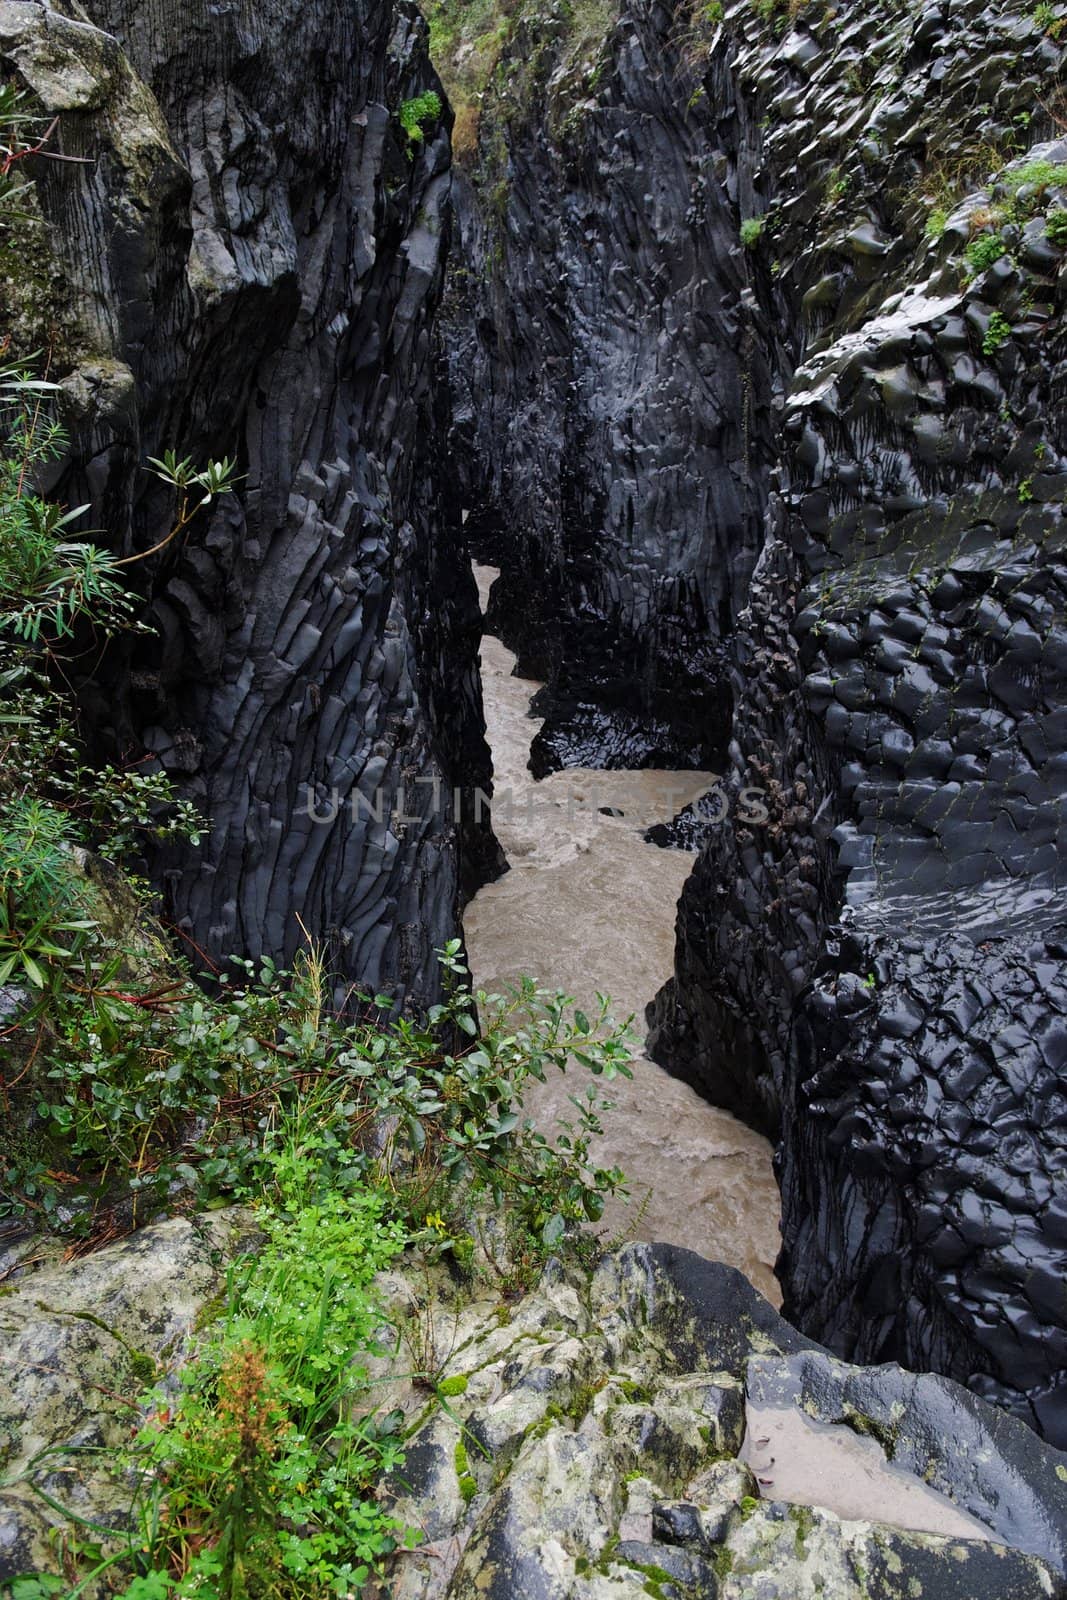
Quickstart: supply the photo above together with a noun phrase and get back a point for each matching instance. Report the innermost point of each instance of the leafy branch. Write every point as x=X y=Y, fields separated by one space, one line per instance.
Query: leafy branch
x=196 y=488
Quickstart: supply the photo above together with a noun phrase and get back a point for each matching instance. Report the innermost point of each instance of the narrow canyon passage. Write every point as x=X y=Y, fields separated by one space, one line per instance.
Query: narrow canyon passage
x=589 y=906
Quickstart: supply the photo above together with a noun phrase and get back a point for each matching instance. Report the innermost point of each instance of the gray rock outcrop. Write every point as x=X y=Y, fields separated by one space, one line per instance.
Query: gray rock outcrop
x=82 y=1343
x=599 y=1439
x=593 y=1452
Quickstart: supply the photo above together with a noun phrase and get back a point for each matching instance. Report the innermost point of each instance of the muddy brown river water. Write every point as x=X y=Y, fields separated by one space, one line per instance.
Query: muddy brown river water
x=589 y=906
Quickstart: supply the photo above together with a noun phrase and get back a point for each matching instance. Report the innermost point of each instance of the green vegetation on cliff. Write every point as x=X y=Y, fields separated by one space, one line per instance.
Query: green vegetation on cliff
x=470 y=44
x=353 y=1141
x=128 y=1091
x=131 y=1090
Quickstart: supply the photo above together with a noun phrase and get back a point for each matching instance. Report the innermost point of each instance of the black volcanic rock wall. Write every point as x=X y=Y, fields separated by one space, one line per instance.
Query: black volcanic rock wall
x=878 y=974
x=612 y=387
x=250 y=263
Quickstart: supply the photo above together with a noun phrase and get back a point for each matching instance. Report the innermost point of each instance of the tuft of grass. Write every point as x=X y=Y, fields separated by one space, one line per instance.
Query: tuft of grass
x=1045 y=17
x=936 y=222
x=751 y=230
x=468 y=1487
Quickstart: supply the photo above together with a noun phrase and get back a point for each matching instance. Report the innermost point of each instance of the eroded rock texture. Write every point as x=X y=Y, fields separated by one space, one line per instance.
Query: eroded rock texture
x=79 y=1340
x=876 y=972
x=249 y=264
x=879 y=972
x=612 y=389
x=586 y=1443
x=592 y=1453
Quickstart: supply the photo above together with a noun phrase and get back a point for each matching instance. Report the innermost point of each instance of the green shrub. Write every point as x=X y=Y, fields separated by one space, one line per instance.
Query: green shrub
x=1056 y=227
x=751 y=229
x=1044 y=17
x=262 y=1471
x=984 y=251
x=50 y=584
x=41 y=900
x=419 y=114
x=936 y=223
x=997 y=333
x=774 y=14
x=258 y=1478
x=140 y=1097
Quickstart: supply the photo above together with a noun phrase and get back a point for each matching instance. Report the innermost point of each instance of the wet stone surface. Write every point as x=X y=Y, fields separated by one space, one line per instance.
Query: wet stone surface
x=250 y=264
x=874 y=971
x=877 y=974
x=619 y=1476
x=612 y=392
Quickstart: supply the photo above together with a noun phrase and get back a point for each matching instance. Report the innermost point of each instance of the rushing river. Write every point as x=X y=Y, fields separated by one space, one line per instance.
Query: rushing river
x=589 y=906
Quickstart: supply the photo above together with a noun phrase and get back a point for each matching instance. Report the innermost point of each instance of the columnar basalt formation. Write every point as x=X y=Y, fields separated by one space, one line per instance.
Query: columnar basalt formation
x=879 y=973
x=612 y=388
x=758 y=359
x=249 y=263
x=876 y=973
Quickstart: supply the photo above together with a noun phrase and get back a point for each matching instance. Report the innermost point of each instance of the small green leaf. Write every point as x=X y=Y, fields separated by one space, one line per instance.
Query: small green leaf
x=33 y=971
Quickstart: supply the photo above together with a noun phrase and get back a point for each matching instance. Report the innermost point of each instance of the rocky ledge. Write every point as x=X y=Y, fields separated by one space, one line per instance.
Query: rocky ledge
x=613 y=1437
x=81 y=1341
x=651 y=1427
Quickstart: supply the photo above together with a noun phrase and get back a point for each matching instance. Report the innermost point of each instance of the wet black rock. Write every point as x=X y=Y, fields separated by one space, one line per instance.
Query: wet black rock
x=877 y=974
x=612 y=389
x=250 y=264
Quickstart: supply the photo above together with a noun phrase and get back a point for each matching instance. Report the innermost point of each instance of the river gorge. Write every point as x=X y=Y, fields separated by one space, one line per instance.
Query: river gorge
x=589 y=906
x=572 y=488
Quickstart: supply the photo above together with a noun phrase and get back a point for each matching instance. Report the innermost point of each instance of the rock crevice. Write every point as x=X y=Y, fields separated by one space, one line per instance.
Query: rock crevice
x=612 y=389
